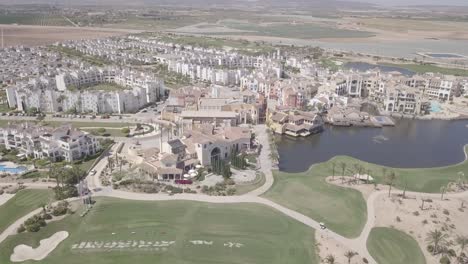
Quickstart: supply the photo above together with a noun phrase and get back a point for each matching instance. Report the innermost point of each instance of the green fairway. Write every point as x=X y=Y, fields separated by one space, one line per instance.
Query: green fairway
x=200 y=232
x=428 y=180
x=21 y=204
x=424 y=68
x=343 y=210
x=389 y=246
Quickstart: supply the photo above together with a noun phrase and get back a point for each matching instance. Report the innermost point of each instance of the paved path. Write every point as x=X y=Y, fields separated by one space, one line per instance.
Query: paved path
x=356 y=244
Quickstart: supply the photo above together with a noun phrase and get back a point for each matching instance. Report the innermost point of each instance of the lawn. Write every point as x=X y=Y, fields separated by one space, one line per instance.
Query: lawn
x=424 y=68
x=428 y=180
x=33 y=19
x=80 y=124
x=287 y=30
x=388 y=246
x=21 y=204
x=264 y=235
x=255 y=184
x=343 y=210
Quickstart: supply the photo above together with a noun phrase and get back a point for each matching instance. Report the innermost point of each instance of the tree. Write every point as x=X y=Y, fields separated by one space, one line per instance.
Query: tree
x=389 y=180
x=330 y=259
x=343 y=168
x=404 y=190
x=333 y=171
x=384 y=172
x=442 y=192
x=125 y=130
x=462 y=242
x=438 y=239
x=349 y=255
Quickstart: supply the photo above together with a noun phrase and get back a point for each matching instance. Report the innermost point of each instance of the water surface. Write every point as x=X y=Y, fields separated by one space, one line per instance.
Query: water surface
x=411 y=144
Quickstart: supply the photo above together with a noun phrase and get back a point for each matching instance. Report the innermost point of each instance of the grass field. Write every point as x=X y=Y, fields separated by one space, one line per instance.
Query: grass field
x=389 y=246
x=424 y=68
x=257 y=183
x=266 y=235
x=34 y=19
x=288 y=30
x=21 y=204
x=343 y=210
x=429 y=180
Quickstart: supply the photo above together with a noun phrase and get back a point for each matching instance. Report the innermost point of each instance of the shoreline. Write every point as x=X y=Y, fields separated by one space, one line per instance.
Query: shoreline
x=465 y=151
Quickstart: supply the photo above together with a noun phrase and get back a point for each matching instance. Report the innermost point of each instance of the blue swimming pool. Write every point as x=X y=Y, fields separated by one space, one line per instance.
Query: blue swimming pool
x=15 y=170
x=435 y=107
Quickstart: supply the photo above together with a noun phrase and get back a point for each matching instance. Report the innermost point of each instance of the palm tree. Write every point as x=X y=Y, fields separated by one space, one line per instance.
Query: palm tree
x=389 y=179
x=330 y=259
x=442 y=192
x=343 y=168
x=349 y=255
x=333 y=168
x=438 y=238
x=462 y=242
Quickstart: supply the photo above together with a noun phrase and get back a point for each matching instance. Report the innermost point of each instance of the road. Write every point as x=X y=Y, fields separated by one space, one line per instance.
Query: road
x=355 y=244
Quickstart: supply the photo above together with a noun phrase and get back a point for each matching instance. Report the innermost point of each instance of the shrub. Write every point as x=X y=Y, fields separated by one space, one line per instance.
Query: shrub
x=446 y=212
x=398 y=219
x=444 y=260
x=101 y=130
x=451 y=253
x=430 y=248
x=33 y=228
x=47 y=216
x=424 y=222
x=21 y=229
x=416 y=213
x=1 y=191
x=365 y=260
x=231 y=191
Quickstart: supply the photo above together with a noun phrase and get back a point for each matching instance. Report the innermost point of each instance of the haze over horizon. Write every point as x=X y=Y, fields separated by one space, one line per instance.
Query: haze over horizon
x=325 y=2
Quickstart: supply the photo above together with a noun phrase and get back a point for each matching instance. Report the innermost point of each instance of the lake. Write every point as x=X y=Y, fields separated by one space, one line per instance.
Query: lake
x=410 y=144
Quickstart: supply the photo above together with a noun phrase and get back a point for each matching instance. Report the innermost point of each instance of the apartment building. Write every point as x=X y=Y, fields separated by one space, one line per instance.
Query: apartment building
x=55 y=144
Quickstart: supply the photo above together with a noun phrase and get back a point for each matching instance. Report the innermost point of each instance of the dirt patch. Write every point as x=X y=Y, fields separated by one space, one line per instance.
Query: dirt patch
x=23 y=252
x=45 y=35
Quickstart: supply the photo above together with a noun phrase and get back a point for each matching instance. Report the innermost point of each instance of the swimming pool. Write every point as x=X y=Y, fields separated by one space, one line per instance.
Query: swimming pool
x=435 y=107
x=16 y=170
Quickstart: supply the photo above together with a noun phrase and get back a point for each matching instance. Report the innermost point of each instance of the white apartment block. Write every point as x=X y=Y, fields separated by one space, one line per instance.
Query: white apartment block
x=68 y=91
x=55 y=144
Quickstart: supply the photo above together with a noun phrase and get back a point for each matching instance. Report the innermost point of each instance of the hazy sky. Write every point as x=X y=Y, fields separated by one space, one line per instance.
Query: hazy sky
x=417 y=2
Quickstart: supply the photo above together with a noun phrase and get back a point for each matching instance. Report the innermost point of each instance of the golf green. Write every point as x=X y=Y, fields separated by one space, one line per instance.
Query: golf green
x=389 y=246
x=174 y=232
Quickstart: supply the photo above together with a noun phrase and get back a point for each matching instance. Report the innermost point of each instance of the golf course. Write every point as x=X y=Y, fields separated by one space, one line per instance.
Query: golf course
x=21 y=204
x=343 y=210
x=388 y=246
x=192 y=232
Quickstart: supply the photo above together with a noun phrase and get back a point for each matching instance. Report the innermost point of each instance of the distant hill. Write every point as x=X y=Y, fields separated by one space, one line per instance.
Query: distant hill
x=202 y=3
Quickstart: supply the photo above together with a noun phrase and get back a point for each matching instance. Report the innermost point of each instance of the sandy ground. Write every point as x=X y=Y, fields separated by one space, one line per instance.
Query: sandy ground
x=5 y=197
x=328 y=246
x=45 y=35
x=23 y=252
x=446 y=215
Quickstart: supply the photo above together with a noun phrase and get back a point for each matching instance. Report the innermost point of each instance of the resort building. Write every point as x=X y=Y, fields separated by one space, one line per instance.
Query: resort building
x=295 y=123
x=200 y=146
x=55 y=144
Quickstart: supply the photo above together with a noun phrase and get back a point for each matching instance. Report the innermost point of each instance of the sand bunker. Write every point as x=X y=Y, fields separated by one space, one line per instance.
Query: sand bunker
x=24 y=252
